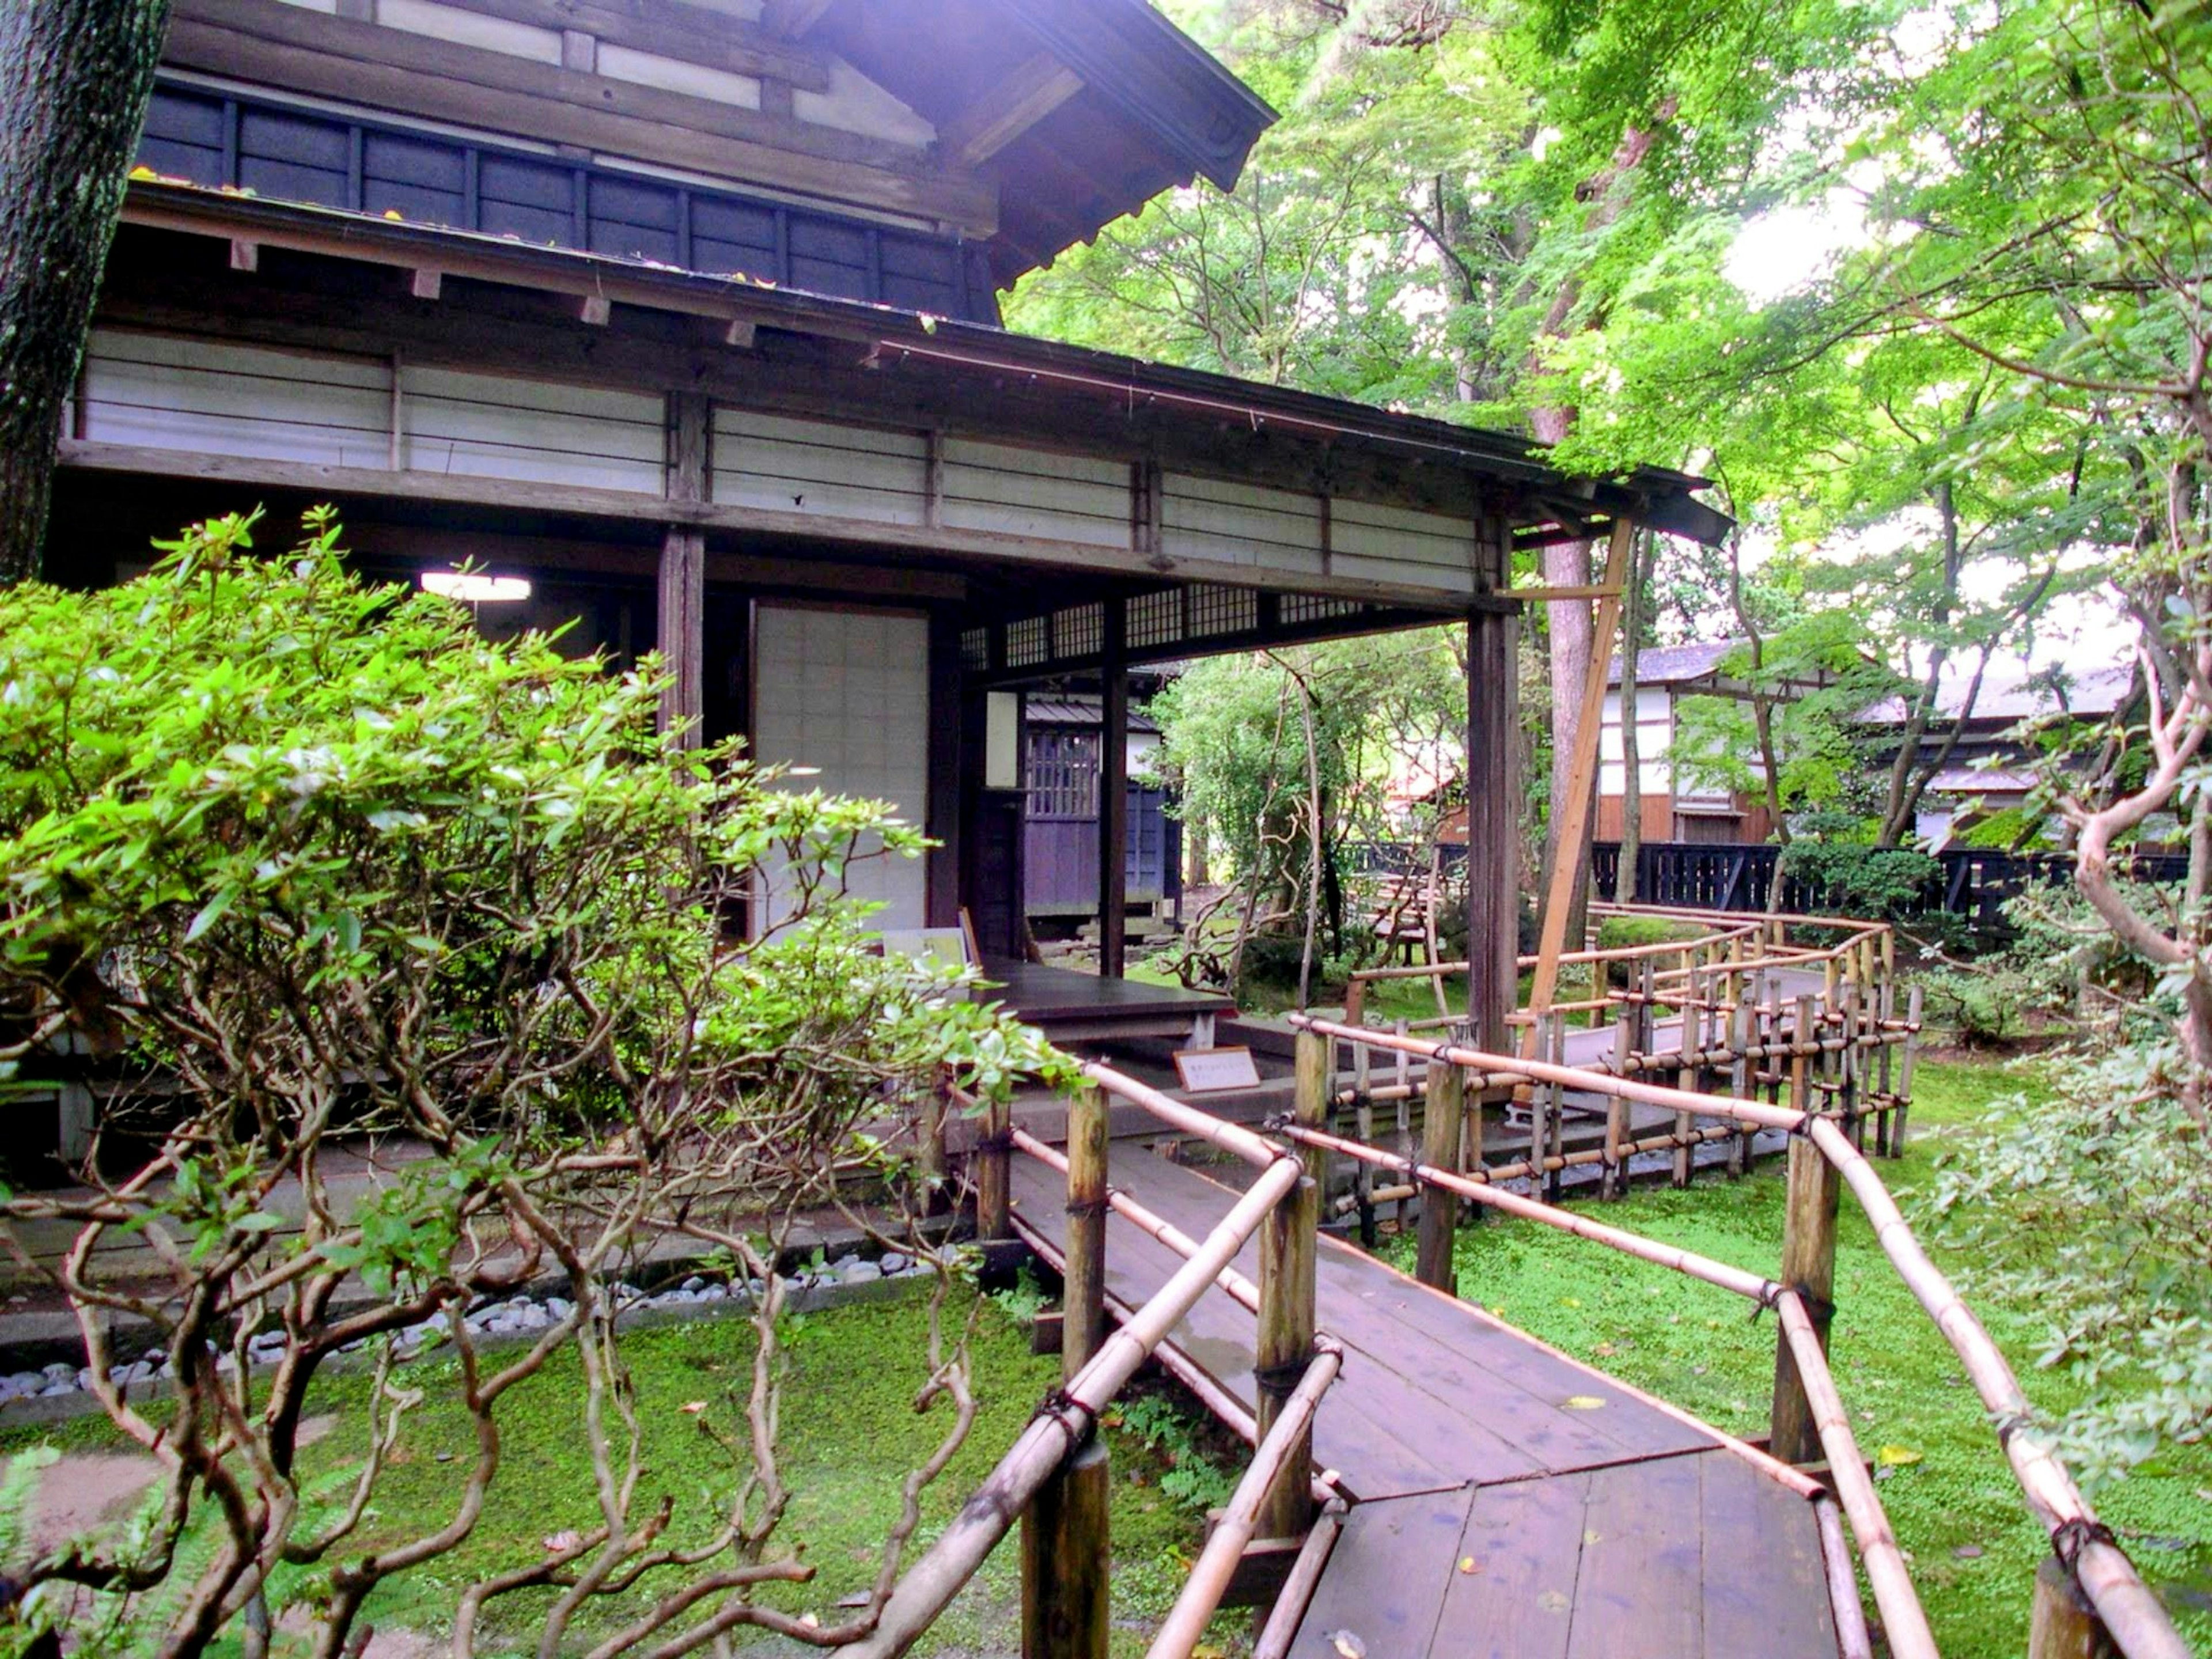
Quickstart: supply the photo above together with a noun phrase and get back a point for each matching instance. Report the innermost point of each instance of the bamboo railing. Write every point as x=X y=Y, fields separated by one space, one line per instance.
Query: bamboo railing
x=1809 y=1411
x=1757 y=1007
x=1054 y=1479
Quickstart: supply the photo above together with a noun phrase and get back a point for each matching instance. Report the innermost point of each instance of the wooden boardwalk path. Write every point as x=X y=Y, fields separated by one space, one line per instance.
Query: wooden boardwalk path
x=1509 y=1502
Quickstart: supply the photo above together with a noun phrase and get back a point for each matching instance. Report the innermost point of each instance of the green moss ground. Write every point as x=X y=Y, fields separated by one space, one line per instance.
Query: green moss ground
x=1949 y=1491
x=849 y=1435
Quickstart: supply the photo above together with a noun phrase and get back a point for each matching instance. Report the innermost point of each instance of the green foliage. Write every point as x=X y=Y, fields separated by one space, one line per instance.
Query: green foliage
x=845 y=1465
x=1235 y=735
x=1855 y=879
x=1421 y=222
x=1167 y=1426
x=1024 y=1299
x=1626 y=932
x=266 y=768
x=335 y=864
x=2092 y=1207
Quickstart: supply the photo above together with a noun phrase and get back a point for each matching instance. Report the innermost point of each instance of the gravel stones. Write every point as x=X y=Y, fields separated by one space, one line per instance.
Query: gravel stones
x=515 y=1318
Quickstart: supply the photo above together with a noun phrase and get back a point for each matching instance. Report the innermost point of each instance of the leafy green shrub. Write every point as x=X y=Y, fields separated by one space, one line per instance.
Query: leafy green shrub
x=1192 y=1480
x=2093 y=1209
x=1878 y=883
x=1628 y=933
x=1981 y=1010
x=319 y=860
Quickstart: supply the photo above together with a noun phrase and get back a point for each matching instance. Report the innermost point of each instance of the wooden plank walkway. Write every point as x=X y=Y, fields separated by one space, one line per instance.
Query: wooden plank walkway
x=1510 y=1503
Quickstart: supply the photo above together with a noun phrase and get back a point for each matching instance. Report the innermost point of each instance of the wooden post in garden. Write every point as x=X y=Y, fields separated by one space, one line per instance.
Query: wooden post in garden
x=937 y=1110
x=1905 y=1072
x=1615 y=1182
x=1471 y=1102
x=1543 y=1101
x=1363 y=1130
x=1692 y=1029
x=1741 y=1030
x=995 y=1159
x=1808 y=1268
x=1440 y=1126
x=1066 y=1542
x=1063 y=1560
x=1085 y=1276
x=1802 y=1036
x=1885 y=1120
x=1289 y=1238
x=2063 y=1625
x=1555 y=1143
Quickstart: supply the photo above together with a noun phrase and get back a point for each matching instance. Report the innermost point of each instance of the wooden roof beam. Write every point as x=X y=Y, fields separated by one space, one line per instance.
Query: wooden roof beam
x=671 y=30
x=794 y=19
x=1036 y=87
x=754 y=527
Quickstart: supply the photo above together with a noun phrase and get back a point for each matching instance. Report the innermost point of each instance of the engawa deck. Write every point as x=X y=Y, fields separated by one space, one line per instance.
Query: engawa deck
x=1508 y=1501
x=1070 y=1007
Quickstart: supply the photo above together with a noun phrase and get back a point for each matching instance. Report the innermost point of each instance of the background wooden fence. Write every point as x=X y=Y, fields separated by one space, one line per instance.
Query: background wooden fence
x=1972 y=881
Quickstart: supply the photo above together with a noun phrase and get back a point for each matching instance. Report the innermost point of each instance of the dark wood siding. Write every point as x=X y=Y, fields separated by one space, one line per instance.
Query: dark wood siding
x=289 y=153
x=1062 y=856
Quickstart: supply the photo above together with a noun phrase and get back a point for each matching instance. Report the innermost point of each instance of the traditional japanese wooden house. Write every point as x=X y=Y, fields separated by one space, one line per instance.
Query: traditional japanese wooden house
x=685 y=311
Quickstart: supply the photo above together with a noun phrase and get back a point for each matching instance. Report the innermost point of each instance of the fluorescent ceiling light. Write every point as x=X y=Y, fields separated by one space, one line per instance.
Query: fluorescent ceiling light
x=474 y=587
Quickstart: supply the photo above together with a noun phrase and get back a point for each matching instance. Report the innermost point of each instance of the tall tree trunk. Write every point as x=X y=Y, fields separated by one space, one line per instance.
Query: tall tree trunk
x=1568 y=564
x=1632 y=777
x=74 y=78
x=1762 y=707
x=1903 y=800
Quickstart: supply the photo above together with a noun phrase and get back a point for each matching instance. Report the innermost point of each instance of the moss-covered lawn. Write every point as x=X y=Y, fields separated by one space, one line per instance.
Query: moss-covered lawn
x=1947 y=1488
x=849 y=1435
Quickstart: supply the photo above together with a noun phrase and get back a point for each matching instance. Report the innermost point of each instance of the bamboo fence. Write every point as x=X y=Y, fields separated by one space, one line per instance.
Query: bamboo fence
x=1753 y=1006
x=1059 y=1446
x=2137 y=1622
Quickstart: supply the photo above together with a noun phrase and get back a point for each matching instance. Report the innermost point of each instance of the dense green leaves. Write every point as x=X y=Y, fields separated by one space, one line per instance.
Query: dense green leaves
x=1266 y=745
x=308 y=867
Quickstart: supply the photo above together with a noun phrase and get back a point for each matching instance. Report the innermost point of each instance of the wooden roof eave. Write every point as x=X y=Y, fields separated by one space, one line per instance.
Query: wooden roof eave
x=887 y=336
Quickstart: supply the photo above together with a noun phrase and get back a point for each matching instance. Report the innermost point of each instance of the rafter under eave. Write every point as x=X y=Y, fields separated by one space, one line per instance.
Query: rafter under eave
x=1038 y=87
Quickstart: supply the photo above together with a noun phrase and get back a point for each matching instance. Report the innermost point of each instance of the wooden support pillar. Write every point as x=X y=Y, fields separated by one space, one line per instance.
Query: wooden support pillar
x=994 y=1158
x=1440 y=1135
x=2064 y=1624
x=1808 y=1268
x=1289 y=1239
x=945 y=816
x=1085 y=1277
x=1573 y=814
x=1113 y=800
x=1065 y=1540
x=1065 y=1605
x=681 y=598
x=683 y=632
x=1494 y=829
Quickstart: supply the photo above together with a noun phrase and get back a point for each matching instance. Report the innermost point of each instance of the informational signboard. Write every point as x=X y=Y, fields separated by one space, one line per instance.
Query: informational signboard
x=1211 y=1071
